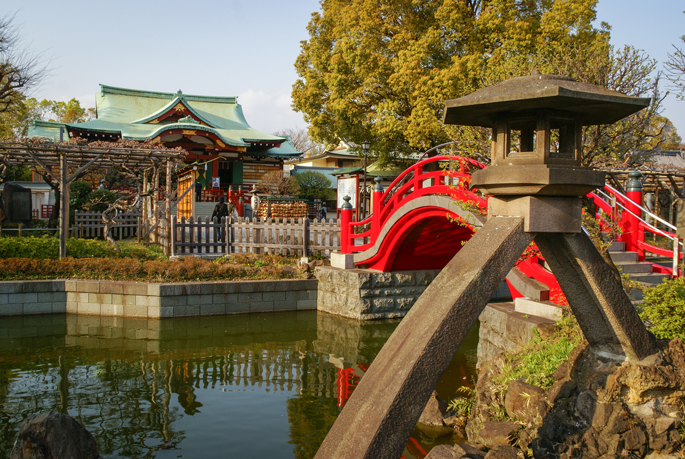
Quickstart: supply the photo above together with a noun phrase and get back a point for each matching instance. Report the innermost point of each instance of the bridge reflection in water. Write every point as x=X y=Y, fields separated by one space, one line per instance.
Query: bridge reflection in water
x=267 y=385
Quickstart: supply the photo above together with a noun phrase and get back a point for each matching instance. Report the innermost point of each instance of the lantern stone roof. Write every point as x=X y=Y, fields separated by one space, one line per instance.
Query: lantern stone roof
x=596 y=105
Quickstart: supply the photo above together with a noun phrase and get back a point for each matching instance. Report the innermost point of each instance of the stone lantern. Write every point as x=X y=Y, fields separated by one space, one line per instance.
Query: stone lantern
x=537 y=144
x=535 y=182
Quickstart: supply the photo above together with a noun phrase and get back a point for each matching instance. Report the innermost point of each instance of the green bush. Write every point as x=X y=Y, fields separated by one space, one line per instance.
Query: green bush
x=99 y=200
x=47 y=248
x=78 y=194
x=664 y=309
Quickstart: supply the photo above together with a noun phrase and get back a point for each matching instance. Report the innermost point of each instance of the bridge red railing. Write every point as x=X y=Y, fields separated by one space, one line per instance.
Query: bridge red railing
x=439 y=175
x=627 y=211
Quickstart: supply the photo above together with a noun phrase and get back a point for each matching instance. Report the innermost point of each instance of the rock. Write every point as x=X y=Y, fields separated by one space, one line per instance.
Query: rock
x=504 y=452
x=53 y=435
x=546 y=330
x=526 y=402
x=434 y=412
x=585 y=405
x=495 y=433
x=469 y=451
x=561 y=372
x=561 y=389
x=442 y=452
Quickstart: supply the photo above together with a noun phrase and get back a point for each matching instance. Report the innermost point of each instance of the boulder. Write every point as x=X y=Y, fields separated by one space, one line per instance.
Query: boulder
x=526 y=402
x=466 y=450
x=493 y=433
x=434 y=412
x=504 y=452
x=442 y=452
x=53 y=435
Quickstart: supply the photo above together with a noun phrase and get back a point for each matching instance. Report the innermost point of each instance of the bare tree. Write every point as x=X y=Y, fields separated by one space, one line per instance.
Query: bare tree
x=301 y=140
x=20 y=70
x=675 y=70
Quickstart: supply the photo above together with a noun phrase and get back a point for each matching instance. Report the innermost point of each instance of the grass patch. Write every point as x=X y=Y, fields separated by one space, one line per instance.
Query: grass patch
x=47 y=248
x=540 y=359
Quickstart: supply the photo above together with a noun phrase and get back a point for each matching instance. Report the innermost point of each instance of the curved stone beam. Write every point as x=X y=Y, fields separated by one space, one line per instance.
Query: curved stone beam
x=384 y=408
x=530 y=288
x=446 y=202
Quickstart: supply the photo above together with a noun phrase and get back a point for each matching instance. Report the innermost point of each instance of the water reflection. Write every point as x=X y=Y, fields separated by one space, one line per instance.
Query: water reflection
x=267 y=385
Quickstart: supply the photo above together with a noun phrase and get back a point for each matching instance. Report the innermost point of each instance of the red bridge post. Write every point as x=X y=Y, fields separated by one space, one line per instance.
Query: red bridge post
x=345 y=219
x=630 y=221
x=376 y=212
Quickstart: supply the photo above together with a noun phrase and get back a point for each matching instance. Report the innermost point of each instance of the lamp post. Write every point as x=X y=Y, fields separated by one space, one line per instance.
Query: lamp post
x=365 y=146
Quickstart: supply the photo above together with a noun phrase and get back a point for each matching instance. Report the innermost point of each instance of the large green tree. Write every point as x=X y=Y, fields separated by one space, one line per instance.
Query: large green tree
x=381 y=70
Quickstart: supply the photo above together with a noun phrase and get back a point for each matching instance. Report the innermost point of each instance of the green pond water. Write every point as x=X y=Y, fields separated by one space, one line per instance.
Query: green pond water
x=248 y=386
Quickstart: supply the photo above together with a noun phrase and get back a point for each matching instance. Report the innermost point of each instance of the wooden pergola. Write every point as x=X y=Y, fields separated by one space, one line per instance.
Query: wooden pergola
x=65 y=161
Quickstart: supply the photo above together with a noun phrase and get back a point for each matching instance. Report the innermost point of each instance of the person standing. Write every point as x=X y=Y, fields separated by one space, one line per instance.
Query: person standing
x=220 y=210
x=324 y=211
x=198 y=191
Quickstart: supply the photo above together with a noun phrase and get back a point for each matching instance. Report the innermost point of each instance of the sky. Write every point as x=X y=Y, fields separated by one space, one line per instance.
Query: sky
x=239 y=48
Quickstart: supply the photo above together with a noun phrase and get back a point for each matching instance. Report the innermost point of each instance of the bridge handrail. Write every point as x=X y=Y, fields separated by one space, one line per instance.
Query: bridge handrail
x=410 y=185
x=622 y=201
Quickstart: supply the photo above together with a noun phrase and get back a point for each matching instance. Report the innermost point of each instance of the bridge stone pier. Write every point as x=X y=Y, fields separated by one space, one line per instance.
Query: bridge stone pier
x=535 y=172
x=366 y=294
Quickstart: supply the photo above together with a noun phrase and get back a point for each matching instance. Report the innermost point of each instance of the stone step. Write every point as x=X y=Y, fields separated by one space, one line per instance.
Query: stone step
x=635 y=267
x=623 y=257
x=649 y=278
x=617 y=247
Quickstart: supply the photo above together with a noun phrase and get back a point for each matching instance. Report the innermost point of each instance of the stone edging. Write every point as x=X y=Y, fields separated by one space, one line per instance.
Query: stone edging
x=155 y=300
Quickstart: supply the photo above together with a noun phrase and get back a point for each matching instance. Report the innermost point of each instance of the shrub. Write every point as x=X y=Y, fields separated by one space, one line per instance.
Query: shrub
x=184 y=270
x=78 y=194
x=44 y=248
x=664 y=309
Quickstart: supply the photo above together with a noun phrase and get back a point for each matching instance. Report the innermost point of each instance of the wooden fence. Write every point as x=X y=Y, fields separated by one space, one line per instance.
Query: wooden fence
x=291 y=237
x=90 y=225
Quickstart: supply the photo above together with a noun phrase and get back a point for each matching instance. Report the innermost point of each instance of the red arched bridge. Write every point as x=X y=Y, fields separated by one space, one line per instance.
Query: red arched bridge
x=426 y=215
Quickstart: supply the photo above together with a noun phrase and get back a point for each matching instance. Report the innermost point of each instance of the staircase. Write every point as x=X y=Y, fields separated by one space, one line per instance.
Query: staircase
x=628 y=263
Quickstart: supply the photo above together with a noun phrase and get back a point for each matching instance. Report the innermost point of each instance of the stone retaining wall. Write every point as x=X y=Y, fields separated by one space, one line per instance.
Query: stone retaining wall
x=503 y=329
x=150 y=300
x=366 y=294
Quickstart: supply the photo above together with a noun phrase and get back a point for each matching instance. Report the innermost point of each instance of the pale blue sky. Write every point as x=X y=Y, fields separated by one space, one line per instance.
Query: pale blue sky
x=235 y=47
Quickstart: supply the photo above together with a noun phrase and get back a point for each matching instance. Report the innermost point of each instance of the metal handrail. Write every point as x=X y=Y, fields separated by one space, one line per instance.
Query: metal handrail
x=651 y=215
x=677 y=243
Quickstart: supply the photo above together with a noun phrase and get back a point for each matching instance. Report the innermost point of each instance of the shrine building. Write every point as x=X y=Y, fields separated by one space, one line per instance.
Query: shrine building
x=213 y=131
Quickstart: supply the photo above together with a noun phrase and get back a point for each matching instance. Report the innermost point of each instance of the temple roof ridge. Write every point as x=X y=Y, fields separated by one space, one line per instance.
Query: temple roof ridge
x=105 y=89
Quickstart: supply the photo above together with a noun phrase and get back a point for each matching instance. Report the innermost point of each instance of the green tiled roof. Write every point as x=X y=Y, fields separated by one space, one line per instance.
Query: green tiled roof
x=373 y=170
x=129 y=112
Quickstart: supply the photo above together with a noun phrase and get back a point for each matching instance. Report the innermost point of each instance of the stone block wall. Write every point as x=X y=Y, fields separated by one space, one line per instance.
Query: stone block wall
x=32 y=297
x=503 y=329
x=149 y=300
x=366 y=294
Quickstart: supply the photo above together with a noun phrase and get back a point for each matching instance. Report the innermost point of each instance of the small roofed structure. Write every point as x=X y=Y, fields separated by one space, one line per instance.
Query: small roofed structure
x=536 y=126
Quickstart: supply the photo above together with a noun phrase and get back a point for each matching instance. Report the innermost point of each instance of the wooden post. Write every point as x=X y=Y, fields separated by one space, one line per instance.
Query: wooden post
x=305 y=237
x=227 y=231
x=167 y=249
x=173 y=236
x=64 y=205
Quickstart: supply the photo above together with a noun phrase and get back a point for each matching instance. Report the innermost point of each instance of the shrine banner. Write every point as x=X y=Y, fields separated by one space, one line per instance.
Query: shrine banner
x=347 y=187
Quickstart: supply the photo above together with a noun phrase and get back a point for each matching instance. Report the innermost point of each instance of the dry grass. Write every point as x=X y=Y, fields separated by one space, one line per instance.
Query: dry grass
x=239 y=267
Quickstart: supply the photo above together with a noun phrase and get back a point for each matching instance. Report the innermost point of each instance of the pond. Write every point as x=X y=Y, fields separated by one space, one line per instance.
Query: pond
x=252 y=386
